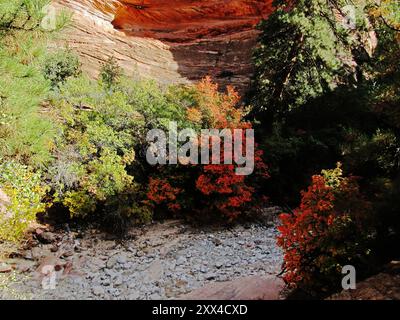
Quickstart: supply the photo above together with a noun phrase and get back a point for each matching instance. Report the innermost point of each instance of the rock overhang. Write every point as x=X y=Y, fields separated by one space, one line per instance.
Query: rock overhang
x=175 y=41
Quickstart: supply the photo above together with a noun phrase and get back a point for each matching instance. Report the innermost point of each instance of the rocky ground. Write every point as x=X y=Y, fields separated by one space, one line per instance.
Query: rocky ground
x=160 y=261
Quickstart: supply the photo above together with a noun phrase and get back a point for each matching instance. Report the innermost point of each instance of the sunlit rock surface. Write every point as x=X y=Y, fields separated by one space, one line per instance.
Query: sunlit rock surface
x=173 y=41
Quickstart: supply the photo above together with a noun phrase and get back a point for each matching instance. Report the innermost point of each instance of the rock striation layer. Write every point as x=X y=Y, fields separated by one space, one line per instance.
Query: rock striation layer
x=175 y=41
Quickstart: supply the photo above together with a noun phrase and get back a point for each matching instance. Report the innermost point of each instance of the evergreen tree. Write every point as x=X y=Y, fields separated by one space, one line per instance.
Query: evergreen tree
x=306 y=50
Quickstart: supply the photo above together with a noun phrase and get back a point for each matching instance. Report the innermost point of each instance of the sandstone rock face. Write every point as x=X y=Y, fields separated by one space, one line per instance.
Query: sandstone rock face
x=174 y=41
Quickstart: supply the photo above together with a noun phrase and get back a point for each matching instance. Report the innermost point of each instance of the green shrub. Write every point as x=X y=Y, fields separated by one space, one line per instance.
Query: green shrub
x=110 y=72
x=61 y=65
x=95 y=153
x=25 y=190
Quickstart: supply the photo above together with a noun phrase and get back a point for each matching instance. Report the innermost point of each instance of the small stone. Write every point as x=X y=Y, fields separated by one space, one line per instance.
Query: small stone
x=140 y=254
x=67 y=254
x=37 y=253
x=76 y=281
x=259 y=256
x=118 y=281
x=106 y=282
x=114 y=292
x=28 y=256
x=122 y=259
x=5 y=268
x=110 y=272
x=196 y=267
x=134 y=296
x=126 y=266
x=203 y=269
x=111 y=262
x=210 y=276
x=68 y=267
x=219 y=264
x=132 y=250
x=155 y=271
x=46 y=237
x=154 y=296
x=217 y=242
x=90 y=276
x=180 y=261
x=98 y=291
x=25 y=266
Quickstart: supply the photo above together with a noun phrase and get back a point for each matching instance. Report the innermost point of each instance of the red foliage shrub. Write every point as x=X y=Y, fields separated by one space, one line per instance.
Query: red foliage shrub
x=160 y=192
x=230 y=190
x=225 y=191
x=327 y=231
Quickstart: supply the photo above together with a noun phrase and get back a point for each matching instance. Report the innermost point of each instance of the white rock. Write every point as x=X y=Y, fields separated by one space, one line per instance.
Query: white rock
x=98 y=291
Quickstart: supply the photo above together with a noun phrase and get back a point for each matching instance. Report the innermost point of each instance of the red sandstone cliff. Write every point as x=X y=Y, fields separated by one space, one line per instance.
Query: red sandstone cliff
x=173 y=41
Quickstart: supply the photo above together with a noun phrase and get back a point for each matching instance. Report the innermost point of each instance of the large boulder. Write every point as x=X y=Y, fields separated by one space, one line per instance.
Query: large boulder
x=248 y=288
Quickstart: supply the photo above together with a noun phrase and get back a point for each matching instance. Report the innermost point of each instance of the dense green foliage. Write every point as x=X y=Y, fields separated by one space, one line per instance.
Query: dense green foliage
x=59 y=66
x=305 y=51
x=99 y=168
